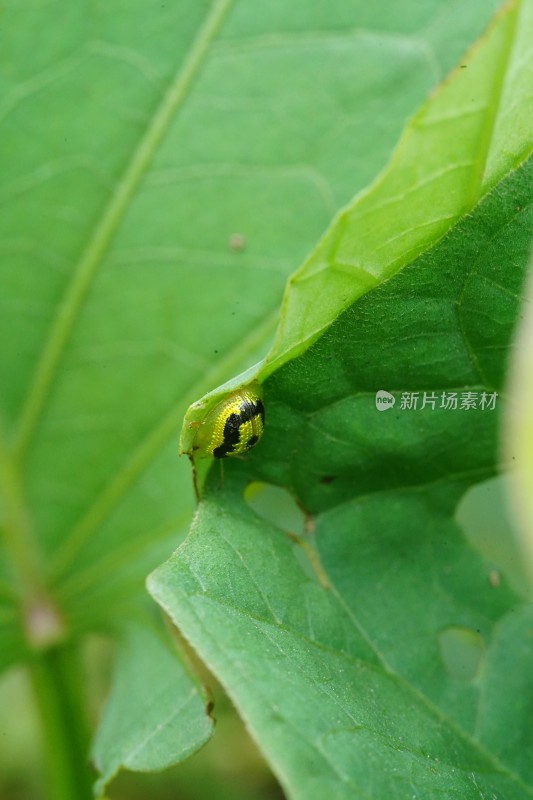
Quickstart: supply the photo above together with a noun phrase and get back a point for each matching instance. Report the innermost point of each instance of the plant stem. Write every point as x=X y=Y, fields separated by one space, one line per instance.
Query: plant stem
x=58 y=685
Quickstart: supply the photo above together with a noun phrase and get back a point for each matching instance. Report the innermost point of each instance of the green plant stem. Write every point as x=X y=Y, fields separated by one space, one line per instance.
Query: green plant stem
x=58 y=685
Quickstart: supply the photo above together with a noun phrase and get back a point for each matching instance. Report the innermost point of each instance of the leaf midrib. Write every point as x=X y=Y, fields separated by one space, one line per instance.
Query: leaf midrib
x=68 y=310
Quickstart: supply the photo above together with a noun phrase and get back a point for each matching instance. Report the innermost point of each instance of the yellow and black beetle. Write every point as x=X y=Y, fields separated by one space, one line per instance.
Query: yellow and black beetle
x=230 y=428
x=233 y=426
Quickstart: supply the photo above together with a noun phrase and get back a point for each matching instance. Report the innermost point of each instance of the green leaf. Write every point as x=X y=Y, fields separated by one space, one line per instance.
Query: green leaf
x=393 y=663
x=455 y=148
x=453 y=151
x=163 y=724
x=362 y=689
x=125 y=292
x=164 y=169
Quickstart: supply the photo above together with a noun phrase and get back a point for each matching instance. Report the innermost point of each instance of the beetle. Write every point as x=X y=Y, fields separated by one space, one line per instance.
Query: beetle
x=232 y=427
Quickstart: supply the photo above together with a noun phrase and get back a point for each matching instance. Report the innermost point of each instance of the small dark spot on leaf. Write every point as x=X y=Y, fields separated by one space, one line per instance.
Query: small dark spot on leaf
x=325 y=479
x=237 y=242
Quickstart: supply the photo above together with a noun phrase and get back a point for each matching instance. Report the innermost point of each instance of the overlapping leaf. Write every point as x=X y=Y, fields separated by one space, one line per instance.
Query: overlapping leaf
x=394 y=662
x=348 y=690
x=135 y=147
x=163 y=170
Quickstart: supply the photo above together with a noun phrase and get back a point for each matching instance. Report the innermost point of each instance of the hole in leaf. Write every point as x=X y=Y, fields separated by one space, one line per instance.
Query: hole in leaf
x=275 y=505
x=486 y=519
x=278 y=507
x=462 y=651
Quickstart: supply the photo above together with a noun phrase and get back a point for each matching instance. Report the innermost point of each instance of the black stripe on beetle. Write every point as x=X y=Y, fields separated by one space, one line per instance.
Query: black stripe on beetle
x=232 y=428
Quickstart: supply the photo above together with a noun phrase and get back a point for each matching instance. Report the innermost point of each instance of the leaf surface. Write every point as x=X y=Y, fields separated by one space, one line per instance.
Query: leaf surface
x=361 y=689
x=164 y=169
x=187 y=159
x=149 y=732
x=374 y=653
